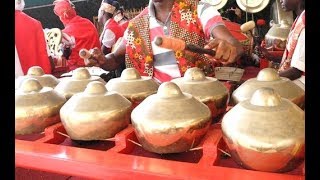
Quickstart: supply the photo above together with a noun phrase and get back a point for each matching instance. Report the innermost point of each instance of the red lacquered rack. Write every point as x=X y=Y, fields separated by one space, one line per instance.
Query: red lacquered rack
x=120 y=158
x=56 y=153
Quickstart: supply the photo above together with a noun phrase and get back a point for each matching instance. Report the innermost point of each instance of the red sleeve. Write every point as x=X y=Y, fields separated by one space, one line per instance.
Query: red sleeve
x=30 y=43
x=42 y=47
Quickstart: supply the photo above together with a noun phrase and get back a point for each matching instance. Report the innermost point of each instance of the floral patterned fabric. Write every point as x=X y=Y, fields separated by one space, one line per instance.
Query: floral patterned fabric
x=184 y=25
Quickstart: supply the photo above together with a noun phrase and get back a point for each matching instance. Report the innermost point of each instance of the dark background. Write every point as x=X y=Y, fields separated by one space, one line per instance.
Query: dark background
x=42 y=10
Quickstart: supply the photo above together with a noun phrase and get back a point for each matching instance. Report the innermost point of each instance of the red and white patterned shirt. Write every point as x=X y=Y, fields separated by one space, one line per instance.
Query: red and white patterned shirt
x=165 y=62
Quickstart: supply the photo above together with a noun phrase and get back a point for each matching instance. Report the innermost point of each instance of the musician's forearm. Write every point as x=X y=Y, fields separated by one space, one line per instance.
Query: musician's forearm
x=105 y=50
x=112 y=62
x=292 y=73
x=273 y=58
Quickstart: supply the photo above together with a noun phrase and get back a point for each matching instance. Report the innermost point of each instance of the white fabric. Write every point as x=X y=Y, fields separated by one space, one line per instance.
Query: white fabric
x=171 y=70
x=205 y=13
x=19 y=5
x=298 y=57
x=109 y=38
x=18 y=68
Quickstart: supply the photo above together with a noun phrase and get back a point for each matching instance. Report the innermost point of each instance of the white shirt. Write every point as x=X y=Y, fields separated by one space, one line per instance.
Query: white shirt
x=298 y=58
x=108 y=37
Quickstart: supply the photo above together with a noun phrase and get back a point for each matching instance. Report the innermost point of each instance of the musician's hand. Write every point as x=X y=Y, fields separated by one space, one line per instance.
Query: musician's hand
x=91 y=62
x=226 y=53
x=267 y=55
x=97 y=58
x=262 y=50
x=66 y=52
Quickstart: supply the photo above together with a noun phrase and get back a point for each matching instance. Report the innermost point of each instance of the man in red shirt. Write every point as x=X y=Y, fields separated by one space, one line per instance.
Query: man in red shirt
x=112 y=30
x=81 y=30
x=30 y=42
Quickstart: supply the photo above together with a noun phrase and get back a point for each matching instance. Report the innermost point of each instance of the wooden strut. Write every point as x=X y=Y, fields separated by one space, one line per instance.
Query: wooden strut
x=193 y=149
x=113 y=139
x=67 y=136
x=135 y=142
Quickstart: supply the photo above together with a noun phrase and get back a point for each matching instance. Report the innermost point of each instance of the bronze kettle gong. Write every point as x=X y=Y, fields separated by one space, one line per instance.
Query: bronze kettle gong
x=208 y=90
x=37 y=72
x=95 y=114
x=269 y=77
x=170 y=121
x=133 y=86
x=81 y=77
x=36 y=107
x=266 y=132
x=276 y=37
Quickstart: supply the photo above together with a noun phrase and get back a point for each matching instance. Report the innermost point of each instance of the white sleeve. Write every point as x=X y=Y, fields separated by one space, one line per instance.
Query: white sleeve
x=209 y=17
x=109 y=38
x=298 y=57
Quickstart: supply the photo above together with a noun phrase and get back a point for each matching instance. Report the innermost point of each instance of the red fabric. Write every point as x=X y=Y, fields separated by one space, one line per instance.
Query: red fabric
x=210 y=23
x=261 y=22
x=162 y=77
x=86 y=36
x=124 y=25
x=30 y=42
x=235 y=30
x=115 y=28
x=64 y=9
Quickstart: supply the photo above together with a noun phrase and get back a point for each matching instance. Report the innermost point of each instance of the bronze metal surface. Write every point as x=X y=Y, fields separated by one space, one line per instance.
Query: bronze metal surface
x=170 y=121
x=81 y=77
x=36 y=107
x=46 y=80
x=208 y=90
x=277 y=35
x=133 y=86
x=269 y=77
x=266 y=132
x=95 y=114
